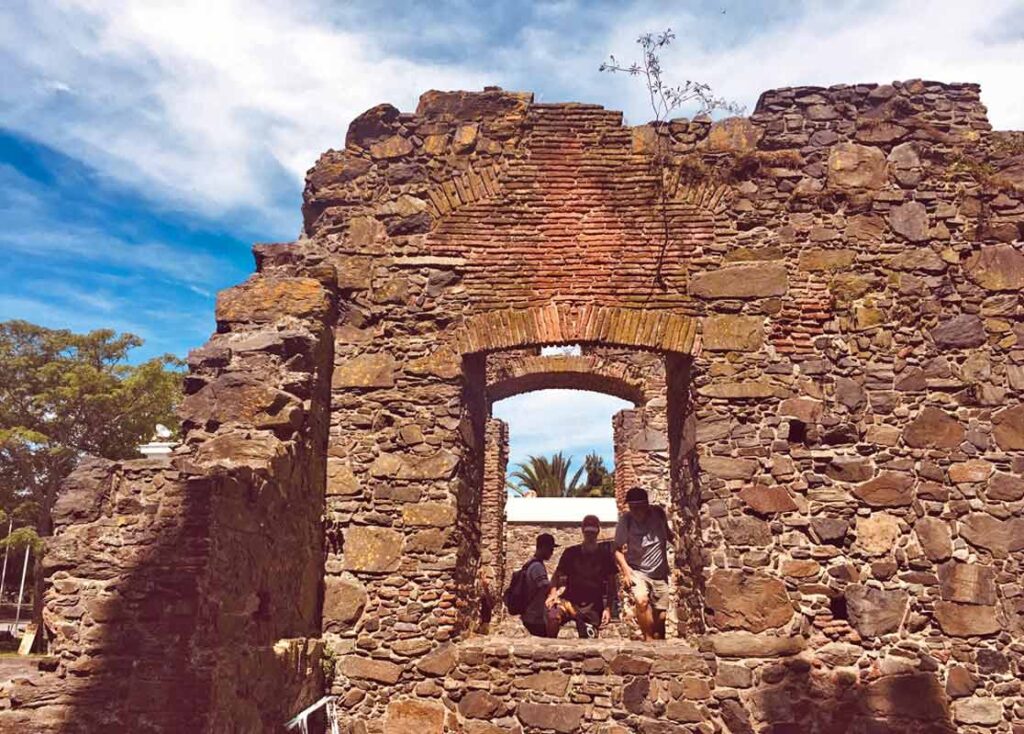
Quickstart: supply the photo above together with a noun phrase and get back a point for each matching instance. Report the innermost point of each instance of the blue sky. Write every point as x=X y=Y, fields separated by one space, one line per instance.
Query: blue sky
x=145 y=145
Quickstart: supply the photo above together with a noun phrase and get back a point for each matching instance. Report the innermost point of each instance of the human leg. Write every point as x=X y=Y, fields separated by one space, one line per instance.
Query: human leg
x=660 y=596
x=640 y=591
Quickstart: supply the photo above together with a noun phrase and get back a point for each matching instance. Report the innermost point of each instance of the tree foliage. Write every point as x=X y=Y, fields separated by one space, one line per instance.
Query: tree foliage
x=65 y=395
x=544 y=477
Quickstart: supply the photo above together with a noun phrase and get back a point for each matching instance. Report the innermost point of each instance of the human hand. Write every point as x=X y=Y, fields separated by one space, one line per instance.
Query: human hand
x=606 y=616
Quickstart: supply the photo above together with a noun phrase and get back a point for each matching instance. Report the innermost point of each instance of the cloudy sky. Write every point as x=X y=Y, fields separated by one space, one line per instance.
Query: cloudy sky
x=145 y=145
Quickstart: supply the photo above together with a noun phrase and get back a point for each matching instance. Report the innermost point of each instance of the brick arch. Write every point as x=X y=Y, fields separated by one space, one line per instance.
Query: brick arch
x=656 y=330
x=568 y=372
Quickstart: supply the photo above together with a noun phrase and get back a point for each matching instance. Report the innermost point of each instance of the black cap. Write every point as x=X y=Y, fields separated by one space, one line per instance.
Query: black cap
x=546 y=539
x=636 y=495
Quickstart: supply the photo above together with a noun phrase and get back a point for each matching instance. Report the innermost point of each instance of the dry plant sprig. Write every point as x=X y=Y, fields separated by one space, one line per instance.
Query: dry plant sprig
x=666 y=98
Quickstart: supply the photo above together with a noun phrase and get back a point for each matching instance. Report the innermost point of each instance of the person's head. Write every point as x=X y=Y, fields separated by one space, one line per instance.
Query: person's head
x=636 y=501
x=545 y=546
x=591 y=528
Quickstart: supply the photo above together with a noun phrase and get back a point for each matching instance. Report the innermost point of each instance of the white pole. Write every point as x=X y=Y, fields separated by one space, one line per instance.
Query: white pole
x=21 y=591
x=7 y=550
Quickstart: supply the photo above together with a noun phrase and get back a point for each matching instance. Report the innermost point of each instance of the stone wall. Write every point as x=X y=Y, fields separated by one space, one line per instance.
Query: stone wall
x=834 y=288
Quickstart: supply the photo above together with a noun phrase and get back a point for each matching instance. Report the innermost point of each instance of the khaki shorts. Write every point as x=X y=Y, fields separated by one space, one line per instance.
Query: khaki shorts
x=657 y=590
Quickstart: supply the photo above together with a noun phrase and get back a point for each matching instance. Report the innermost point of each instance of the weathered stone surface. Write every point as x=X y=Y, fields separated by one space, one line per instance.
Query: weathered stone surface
x=366 y=370
x=967 y=582
x=960 y=682
x=830 y=529
x=431 y=514
x=877 y=533
x=875 y=611
x=920 y=258
x=850 y=393
x=888 y=489
x=933 y=428
x=850 y=469
x=977 y=710
x=265 y=300
x=344 y=601
x=821 y=260
x=233 y=398
x=732 y=333
x=394 y=146
x=1005 y=487
x=232 y=450
x=767 y=500
x=751 y=390
x=726 y=467
x=373 y=550
x=997 y=268
x=355 y=666
x=550 y=682
x=910 y=220
x=750 y=645
x=439 y=363
x=563 y=717
x=806 y=410
x=965 y=472
x=853 y=166
x=935 y=537
x=1008 y=428
x=999 y=536
x=439 y=662
x=966 y=620
x=479 y=705
x=341 y=481
x=410 y=716
x=736 y=134
x=741 y=281
x=914 y=696
x=960 y=332
x=412 y=466
x=753 y=602
x=745 y=530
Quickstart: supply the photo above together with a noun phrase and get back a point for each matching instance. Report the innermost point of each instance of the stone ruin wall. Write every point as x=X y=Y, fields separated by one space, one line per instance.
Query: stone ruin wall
x=837 y=304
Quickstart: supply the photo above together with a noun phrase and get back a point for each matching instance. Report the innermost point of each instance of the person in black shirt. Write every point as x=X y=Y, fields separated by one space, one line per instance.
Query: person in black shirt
x=583 y=584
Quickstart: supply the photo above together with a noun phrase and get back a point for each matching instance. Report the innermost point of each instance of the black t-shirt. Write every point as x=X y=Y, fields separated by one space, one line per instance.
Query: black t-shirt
x=585 y=575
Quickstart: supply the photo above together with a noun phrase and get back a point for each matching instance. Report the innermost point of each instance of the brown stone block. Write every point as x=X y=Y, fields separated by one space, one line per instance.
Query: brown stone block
x=935 y=537
x=997 y=268
x=373 y=549
x=966 y=620
x=1008 y=428
x=750 y=601
x=430 y=514
x=414 y=466
x=966 y=472
x=877 y=534
x=969 y=583
x=412 y=716
x=479 y=705
x=914 y=696
x=560 y=717
x=736 y=134
x=733 y=333
x=748 y=390
x=749 y=645
x=817 y=259
x=344 y=601
x=873 y=611
x=340 y=478
x=550 y=682
x=232 y=450
x=365 y=371
x=910 y=220
x=264 y=300
x=727 y=467
x=768 y=500
x=933 y=428
x=960 y=332
x=888 y=489
x=853 y=166
x=355 y=666
x=1005 y=487
x=741 y=281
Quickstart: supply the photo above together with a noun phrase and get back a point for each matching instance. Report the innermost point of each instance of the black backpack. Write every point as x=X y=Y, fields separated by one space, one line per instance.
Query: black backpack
x=518 y=595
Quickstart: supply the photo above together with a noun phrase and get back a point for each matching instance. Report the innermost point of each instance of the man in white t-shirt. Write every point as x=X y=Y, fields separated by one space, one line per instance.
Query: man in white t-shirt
x=535 y=615
x=641 y=553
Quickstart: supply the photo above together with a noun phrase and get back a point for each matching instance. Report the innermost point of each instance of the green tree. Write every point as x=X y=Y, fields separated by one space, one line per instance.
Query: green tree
x=64 y=396
x=600 y=482
x=546 y=477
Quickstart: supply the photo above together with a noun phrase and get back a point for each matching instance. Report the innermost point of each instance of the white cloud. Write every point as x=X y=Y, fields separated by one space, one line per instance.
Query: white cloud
x=571 y=421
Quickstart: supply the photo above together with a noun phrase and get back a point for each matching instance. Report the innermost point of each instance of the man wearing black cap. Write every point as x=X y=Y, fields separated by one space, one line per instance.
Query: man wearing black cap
x=535 y=615
x=641 y=551
x=583 y=584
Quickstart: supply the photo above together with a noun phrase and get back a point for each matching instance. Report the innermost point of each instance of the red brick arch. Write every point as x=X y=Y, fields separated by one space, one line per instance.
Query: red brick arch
x=656 y=330
x=568 y=372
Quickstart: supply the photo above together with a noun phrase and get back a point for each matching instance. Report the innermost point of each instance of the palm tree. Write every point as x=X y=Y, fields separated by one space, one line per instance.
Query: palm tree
x=546 y=477
x=600 y=481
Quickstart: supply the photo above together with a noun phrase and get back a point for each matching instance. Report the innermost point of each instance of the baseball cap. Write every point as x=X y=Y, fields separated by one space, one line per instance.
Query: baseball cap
x=546 y=539
x=636 y=495
x=591 y=521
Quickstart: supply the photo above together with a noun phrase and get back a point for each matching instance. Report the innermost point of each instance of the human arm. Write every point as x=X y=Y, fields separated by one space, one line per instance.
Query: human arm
x=620 y=545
